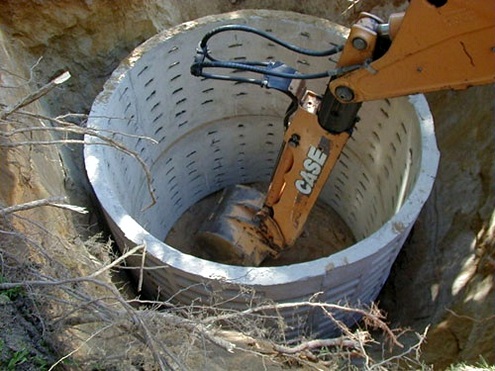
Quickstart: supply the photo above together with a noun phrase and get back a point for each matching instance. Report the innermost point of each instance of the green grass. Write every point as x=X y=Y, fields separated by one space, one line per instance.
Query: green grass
x=12 y=293
x=481 y=365
x=18 y=358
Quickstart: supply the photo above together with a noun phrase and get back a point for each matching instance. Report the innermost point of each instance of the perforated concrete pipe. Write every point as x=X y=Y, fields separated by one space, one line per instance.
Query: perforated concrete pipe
x=210 y=134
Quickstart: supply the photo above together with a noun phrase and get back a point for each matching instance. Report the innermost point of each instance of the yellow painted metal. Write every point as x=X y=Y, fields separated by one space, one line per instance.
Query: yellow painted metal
x=435 y=48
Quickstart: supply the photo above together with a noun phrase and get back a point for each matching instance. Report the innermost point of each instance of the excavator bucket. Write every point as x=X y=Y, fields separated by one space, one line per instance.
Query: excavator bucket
x=231 y=232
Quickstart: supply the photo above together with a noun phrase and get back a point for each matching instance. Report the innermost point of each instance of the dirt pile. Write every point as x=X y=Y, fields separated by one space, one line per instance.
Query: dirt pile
x=443 y=277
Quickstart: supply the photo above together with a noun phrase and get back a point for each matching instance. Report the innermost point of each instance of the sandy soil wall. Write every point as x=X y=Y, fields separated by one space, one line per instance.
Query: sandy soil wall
x=445 y=274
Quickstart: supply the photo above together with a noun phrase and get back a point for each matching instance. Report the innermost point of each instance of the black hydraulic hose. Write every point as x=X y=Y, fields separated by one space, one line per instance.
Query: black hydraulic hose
x=204 y=60
x=266 y=35
x=265 y=71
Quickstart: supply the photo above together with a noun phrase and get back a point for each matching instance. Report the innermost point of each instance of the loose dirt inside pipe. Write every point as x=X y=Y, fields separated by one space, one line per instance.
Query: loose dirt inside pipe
x=325 y=233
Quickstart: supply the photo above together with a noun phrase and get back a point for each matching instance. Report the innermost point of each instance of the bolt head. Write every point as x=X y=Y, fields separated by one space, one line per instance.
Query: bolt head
x=294 y=140
x=344 y=93
x=359 y=43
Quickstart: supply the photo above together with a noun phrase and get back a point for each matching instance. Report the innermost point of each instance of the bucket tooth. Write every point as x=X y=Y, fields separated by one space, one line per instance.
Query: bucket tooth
x=231 y=233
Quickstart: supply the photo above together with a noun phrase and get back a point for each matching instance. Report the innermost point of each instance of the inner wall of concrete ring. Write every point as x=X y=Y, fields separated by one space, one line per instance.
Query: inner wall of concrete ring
x=203 y=130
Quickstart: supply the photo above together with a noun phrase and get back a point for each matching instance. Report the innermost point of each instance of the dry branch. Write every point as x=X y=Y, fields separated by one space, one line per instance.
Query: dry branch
x=52 y=201
x=340 y=342
x=416 y=349
x=26 y=81
x=54 y=282
x=70 y=128
x=34 y=96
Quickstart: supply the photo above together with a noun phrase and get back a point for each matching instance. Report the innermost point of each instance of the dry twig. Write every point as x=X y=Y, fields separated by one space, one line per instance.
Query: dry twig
x=51 y=201
x=34 y=96
x=70 y=128
x=340 y=342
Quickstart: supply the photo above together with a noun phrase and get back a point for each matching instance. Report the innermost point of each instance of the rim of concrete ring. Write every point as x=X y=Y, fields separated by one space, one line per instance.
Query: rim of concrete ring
x=275 y=275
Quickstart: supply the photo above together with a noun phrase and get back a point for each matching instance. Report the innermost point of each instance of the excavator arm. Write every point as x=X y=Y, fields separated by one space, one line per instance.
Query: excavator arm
x=434 y=45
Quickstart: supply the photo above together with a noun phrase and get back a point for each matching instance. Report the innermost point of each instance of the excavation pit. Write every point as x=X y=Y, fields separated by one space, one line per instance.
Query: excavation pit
x=198 y=136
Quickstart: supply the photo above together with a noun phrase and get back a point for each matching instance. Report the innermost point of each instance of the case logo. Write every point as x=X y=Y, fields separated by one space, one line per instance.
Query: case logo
x=313 y=163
